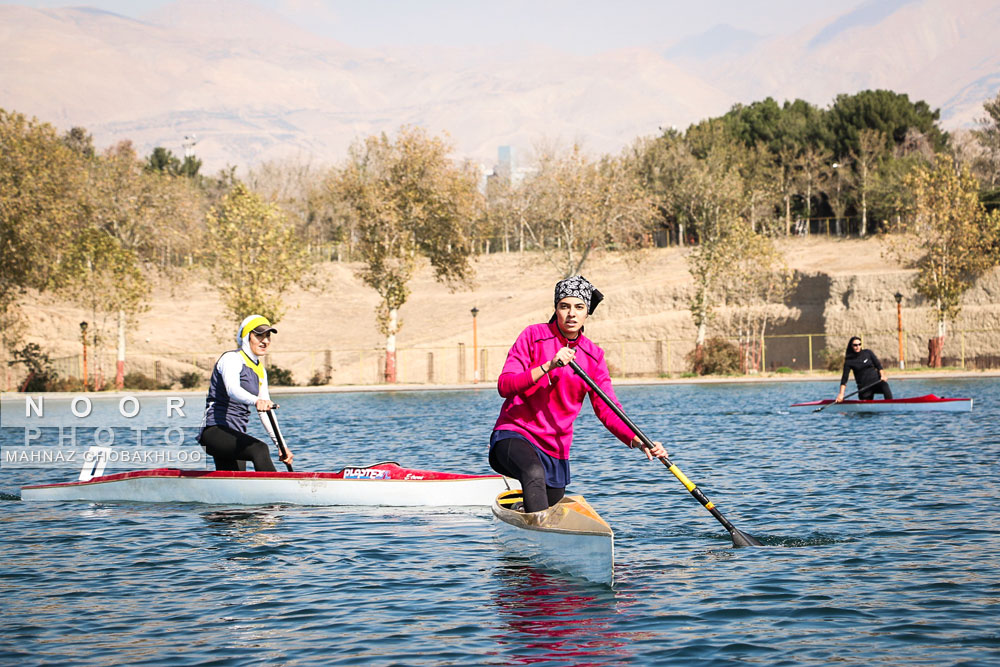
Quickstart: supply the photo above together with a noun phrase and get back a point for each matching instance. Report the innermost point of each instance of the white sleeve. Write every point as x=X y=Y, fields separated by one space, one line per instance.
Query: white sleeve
x=230 y=365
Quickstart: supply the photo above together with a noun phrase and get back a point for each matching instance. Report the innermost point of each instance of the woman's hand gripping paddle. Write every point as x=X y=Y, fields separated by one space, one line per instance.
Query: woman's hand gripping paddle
x=740 y=539
x=874 y=384
x=277 y=436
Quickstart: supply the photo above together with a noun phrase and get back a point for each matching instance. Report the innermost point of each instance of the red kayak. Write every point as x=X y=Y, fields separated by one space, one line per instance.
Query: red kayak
x=928 y=403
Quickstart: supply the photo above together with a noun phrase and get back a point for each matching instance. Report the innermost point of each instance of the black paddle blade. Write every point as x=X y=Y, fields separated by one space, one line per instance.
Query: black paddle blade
x=741 y=539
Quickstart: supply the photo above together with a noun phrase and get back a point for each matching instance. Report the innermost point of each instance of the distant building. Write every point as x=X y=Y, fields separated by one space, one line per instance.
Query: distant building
x=506 y=168
x=505 y=161
x=502 y=168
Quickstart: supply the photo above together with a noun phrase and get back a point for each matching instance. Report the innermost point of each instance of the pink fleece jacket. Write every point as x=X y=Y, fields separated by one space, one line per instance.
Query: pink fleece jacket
x=544 y=411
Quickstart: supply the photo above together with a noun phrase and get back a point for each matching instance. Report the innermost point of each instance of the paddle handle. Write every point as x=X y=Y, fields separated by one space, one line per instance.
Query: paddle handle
x=739 y=537
x=277 y=436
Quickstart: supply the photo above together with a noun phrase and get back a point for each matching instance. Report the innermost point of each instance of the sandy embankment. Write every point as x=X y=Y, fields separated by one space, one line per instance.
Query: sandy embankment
x=644 y=323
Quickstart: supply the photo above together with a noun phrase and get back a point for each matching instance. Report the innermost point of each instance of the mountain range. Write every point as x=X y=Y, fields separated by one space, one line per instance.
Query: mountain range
x=248 y=87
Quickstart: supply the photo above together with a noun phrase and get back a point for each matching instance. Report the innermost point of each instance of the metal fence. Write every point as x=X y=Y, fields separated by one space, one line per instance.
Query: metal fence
x=460 y=364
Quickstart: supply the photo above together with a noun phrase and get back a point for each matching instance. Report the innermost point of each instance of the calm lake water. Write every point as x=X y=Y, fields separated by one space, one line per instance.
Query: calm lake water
x=881 y=533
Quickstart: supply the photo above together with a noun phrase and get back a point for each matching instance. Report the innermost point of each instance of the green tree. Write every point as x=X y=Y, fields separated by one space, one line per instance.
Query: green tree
x=41 y=374
x=254 y=254
x=892 y=114
x=661 y=166
x=408 y=200
x=792 y=134
x=164 y=161
x=40 y=183
x=792 y=126
x=949 y=239
x=757 y=123
x=987 y=164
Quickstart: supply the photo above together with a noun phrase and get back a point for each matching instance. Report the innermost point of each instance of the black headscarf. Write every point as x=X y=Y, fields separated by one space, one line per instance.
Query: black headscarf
x=581 y=288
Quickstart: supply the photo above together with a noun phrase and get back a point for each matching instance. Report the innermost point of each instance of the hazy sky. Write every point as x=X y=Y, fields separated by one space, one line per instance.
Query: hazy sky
x=578 y=26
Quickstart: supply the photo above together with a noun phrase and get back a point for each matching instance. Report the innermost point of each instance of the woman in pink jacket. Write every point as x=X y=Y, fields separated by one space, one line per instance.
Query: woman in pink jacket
x=532 y=437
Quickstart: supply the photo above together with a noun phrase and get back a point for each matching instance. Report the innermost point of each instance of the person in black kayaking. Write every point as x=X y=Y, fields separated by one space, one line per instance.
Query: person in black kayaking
x=867 y=371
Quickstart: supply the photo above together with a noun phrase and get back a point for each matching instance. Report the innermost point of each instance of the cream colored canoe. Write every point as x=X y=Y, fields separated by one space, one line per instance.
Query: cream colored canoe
x=570 y=536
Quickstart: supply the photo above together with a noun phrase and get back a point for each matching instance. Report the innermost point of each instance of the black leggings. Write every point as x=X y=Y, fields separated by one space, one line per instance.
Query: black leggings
x=516 y=458
x=232 y=449
x=880 y=388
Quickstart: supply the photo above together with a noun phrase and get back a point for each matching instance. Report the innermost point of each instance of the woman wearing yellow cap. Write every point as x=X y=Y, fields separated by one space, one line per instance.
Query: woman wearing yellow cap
x=239 y=382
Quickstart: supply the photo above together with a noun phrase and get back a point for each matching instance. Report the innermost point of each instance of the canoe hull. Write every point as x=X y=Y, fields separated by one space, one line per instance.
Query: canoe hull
x=384 y=484
x=569 y=536
x=928 y=403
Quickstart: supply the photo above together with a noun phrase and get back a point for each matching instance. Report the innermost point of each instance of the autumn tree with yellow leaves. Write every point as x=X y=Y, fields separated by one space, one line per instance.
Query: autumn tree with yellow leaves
x=949 y=238
x=254 y=254
x=408 y=200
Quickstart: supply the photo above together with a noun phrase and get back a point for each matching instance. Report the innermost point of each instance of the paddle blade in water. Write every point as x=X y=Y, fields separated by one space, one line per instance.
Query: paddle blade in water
x=741 y=539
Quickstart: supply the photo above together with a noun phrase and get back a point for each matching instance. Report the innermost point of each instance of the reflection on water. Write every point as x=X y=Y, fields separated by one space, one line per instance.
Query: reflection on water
x=558 y=620
x=241 y=517
x=254 y=532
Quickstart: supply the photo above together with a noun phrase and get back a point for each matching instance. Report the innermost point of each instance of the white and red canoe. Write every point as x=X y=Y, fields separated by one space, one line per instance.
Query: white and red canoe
x=380 y=484
x=928 y=403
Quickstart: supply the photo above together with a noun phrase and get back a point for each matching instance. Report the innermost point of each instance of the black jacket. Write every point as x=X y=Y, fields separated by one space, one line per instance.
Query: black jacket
x=866 y=367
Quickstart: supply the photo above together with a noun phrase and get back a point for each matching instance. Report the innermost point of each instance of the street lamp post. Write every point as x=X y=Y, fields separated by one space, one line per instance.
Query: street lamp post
x=899 y=328
x=83 y=337
x=836 y=222
x=475 y=347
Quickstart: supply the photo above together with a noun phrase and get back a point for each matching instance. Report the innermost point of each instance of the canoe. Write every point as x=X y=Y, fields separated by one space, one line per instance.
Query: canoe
x=380 y=484
x=928 y=403
x=570 y=536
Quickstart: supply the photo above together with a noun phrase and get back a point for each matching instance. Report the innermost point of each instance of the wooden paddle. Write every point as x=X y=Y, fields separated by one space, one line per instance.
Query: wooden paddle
x=277 y=435
x=740 y=539
x=849 y=395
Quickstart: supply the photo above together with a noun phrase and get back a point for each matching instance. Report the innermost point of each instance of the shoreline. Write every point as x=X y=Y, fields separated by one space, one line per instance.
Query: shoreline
x=897 y=376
